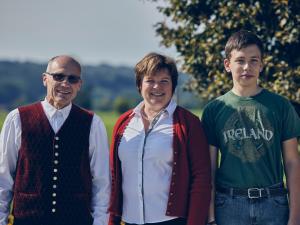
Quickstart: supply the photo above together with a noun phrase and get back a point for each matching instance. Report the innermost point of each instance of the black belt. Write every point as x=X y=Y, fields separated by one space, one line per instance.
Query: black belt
x=253 y=192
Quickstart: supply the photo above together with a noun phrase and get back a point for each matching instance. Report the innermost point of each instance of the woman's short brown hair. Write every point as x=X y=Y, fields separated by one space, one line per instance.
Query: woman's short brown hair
x=151 y=64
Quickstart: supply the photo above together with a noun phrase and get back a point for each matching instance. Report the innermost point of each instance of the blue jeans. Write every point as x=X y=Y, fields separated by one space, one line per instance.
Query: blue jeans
x=237 y=210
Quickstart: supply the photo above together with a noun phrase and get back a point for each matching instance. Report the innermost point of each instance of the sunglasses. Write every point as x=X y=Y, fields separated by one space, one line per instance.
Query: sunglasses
x=60 y=77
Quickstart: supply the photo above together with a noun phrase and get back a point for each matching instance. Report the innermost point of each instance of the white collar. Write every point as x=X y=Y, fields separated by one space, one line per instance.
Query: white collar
x=169 y=109
x=50 y=110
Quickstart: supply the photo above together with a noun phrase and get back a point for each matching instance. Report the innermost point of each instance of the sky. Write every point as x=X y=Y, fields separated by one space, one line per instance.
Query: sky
x=117 y=32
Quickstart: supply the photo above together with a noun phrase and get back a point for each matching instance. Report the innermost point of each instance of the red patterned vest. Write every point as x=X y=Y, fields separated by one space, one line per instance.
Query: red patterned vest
x=53 y=180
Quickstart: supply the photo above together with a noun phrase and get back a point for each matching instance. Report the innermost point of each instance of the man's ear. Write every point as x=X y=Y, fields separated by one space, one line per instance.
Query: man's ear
x=80 y=84
x=44 y=80
x=226 y=65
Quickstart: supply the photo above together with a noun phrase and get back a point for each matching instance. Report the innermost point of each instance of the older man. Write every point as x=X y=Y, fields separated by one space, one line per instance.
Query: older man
x=54 y=156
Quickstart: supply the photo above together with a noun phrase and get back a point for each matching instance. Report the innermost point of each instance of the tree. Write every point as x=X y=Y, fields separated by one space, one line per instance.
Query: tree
x=121 y=104
x=199 y=30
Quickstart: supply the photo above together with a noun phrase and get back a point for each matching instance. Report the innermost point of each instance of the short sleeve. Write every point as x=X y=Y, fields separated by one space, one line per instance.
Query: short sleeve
x=209 y=126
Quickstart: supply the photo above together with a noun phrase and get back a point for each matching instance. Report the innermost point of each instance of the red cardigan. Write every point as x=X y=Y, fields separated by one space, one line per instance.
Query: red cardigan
x=190 y=187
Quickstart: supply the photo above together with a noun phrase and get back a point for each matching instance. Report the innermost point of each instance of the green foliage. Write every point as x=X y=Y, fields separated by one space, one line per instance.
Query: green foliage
x=122 y=104
x=21 y=83
x=84 y=98
x=199 y=30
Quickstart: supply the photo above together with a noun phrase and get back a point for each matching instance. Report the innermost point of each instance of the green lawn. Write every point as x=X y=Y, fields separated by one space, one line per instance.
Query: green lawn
x=109 y=119
x=2 y=117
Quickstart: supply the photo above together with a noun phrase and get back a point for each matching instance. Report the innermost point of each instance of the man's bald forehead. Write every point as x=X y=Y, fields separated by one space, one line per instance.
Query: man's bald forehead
x=64 y=60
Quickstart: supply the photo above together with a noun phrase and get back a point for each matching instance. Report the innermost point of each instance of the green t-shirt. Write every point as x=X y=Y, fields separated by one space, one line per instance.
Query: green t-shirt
x=249 y=132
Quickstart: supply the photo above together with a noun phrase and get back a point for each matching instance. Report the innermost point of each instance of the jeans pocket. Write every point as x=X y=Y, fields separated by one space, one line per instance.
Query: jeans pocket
x=280 y=201
x=220 y=200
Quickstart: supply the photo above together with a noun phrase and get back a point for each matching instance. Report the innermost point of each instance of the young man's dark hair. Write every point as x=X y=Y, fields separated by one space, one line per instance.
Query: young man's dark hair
x=242 y=39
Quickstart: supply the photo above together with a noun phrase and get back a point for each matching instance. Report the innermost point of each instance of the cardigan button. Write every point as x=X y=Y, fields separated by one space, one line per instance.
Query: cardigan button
x=170 y=203
x=175 y=163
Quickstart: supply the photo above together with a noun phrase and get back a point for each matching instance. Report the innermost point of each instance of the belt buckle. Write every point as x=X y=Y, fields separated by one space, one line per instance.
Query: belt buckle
x=251 y=192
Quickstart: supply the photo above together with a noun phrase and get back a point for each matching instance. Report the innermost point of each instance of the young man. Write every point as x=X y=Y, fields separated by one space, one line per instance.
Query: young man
x=254 y=130
x=54 y=158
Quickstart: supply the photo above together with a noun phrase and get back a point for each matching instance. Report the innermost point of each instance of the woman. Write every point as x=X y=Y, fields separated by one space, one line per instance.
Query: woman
x=159 y=155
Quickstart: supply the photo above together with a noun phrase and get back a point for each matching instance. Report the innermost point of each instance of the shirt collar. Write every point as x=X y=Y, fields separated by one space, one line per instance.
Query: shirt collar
x=169 y=109
x=50 y=110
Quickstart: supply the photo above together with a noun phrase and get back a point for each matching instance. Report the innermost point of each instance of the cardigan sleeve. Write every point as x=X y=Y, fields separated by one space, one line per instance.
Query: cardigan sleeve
x=116 y=200
x=200 y=189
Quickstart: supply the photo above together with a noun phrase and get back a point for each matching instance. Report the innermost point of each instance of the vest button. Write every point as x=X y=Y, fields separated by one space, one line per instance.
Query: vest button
x=55 y=161
x=55 y=170
x=53 y=210
x=55 y=146
x=57 y=138
x=54 y=194
x=56 y=153
x=54 y=178
x=54 y=186
x=54 y=203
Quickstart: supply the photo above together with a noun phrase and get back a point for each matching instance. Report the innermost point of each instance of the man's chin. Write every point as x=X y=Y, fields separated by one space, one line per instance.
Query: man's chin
x=62 y=102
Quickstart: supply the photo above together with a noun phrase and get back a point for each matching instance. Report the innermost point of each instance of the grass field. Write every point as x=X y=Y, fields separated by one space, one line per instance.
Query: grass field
x=2 y=117
x=109 y=119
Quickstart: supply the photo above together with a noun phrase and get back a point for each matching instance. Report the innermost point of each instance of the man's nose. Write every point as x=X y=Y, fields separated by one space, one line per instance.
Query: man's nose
x=246 y=66
x=65 y=82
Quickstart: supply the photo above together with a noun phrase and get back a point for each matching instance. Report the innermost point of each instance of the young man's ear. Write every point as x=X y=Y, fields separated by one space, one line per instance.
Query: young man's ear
x=226 y=65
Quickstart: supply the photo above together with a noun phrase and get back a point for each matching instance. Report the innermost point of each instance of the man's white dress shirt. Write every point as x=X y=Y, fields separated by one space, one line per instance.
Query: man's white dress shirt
x=147 y=159
x=10 y=143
